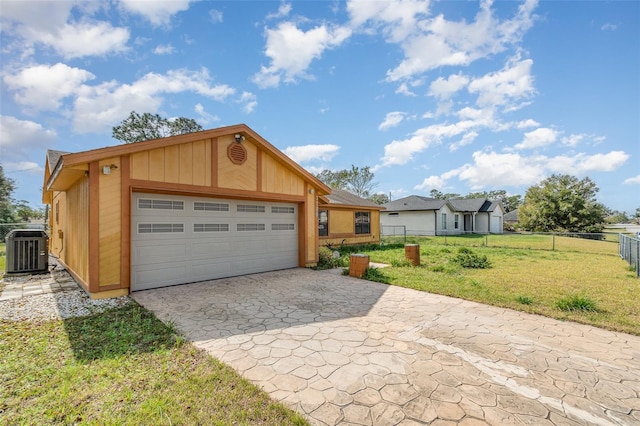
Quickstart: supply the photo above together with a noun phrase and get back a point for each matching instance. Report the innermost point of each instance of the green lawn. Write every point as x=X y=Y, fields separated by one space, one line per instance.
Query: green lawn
x=538 y=281
x=121 y=367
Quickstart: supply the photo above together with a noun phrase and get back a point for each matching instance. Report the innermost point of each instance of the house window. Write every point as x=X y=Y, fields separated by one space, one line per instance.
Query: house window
x=363 y=223
x=444 y=221
x=323 y=223
x=456 y=221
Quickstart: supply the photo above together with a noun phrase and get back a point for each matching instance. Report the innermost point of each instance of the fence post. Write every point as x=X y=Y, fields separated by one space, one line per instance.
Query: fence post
x=637 y=258
x=553 y=241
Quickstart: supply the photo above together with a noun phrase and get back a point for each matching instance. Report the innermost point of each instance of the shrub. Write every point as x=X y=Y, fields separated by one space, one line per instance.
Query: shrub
x=577 y=303
x=525 y=300
x=326 y=259
x=468 y=259
x=375 y=274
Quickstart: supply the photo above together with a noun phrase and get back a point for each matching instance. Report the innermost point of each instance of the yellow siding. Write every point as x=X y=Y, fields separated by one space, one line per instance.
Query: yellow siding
x=110 y=224
x=341 y=222
x=312 y=228
x=188 y=163
x=74 y=224
x=237 y=176
x=278 y=179
x=140 y=165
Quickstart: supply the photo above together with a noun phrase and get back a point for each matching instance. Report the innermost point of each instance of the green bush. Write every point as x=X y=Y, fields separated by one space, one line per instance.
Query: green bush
x=577 y=303
x=326 y=259
x=375 y=274
x=468 y=259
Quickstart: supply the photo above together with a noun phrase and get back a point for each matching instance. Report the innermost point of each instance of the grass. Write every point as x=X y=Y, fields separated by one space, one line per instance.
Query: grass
x=526 y=279
x=121 y=367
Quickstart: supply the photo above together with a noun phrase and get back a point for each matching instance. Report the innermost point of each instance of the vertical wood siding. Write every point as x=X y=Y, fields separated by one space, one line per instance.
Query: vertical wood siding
x=74 y=221
x=110 y=224
x=311 y=228
x=187 y=163
x=235 y=176
x=278 y=179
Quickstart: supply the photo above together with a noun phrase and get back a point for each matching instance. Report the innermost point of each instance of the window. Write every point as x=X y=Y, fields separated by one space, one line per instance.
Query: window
x=323 y=223
x=444 y=221
x=210 y=207
x=160 y=204
x=456 y=221
x=155 y=228
x=210 y=227
x=363 y=223
x=277 y=209
x=250 y=208
x=282 y=227
x=250 y=227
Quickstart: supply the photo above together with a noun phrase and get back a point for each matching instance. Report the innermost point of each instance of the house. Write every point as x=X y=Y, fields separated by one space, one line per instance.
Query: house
x=181 y=209
x=345 y=218
x=511 y=217
x=430 y=216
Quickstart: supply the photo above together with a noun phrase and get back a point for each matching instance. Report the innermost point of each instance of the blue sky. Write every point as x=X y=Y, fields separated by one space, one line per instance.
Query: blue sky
x=455 y=96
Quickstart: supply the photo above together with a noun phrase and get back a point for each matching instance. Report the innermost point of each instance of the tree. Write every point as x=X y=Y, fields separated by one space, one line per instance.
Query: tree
x=616 y=216
x=358 y=181
x=509 y=202
x=7 y=186
x=562 y=203
x=24 y=212
x=380 y=198
x=440 y=196
x=137 y=128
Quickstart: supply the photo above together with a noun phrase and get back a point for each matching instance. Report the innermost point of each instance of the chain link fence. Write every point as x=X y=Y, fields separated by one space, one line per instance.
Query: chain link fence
x=5 y=228
x=629 y=250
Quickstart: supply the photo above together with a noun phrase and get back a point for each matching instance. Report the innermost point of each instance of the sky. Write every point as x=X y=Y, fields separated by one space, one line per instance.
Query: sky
x=457 y=96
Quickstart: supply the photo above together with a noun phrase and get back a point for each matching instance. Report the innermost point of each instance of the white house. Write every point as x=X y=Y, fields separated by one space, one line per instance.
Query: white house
x=430 y=216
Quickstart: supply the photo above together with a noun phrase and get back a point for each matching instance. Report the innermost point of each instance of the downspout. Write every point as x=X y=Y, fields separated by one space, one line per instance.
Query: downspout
x=435 y=221
x=473 y=222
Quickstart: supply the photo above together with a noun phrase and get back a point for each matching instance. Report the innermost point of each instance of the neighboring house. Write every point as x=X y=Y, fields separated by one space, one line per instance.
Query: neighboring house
x=181 y=209
x=511 y=217
x=345 y=218
x=430 y=216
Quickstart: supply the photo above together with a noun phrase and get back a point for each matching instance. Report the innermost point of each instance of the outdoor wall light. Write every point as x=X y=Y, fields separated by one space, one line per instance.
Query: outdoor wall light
x=239 y=138
x=107 y=169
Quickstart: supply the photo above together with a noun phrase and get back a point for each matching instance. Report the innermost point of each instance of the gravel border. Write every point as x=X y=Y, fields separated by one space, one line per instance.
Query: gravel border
x=60 y=305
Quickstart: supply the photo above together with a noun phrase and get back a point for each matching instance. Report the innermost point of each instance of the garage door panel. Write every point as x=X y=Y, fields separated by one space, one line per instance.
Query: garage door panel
x=181 y=239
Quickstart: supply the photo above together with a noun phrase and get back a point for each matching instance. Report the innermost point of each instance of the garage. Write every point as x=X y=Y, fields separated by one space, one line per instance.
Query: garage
x=180 y=239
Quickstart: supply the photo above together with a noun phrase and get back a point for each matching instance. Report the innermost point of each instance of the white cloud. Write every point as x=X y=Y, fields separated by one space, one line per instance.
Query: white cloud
x=491 y=169
x=436 y=42
x=98 y=39
x=403 y=89
x=467 y=139
x=99 y=107
x=291 y=51
x=205 y=117
x=445 y=88
x=540 y=137
x=163 y=49
x=216 y=16
x=392 y=119
x=283 y=10
x=21 y=138
x=250 y=102
x=432 y=182
x=157 y=12
x=306 y=153
x=524 y=124
x=572 y=140
x=31 y=167
x=43 y=87
x=609 y=27
x=512 y=83
x=632 y=180
x=397 y=19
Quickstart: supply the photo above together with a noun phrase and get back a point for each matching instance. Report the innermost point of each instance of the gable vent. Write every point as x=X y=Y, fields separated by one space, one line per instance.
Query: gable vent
x=237 y=153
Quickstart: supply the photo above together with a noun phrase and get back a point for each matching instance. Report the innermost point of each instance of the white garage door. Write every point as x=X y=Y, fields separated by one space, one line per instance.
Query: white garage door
x=177 y=240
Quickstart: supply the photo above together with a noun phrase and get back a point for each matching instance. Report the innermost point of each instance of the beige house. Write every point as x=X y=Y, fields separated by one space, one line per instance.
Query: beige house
x=181 y=209
x=345 y=218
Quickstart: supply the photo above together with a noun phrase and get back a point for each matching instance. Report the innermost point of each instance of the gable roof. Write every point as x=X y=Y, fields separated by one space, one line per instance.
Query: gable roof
x=70 y=166
x=345 y=198
x=511 y=216
x=415 y=202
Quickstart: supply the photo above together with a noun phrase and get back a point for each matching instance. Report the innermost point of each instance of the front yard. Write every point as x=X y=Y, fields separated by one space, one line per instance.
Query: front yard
x=584 y=281
x=121 y=367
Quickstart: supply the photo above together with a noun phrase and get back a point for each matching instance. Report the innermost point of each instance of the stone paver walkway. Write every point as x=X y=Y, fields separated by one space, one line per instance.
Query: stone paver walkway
x=55 y=280
x=347 y=351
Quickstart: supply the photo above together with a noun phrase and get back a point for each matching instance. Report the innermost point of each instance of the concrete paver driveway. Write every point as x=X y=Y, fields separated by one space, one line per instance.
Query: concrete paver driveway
x=342 y=350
